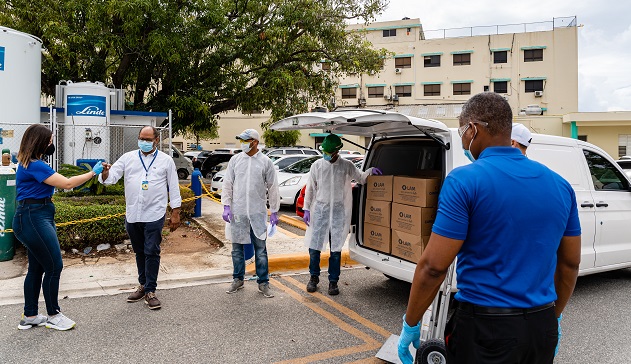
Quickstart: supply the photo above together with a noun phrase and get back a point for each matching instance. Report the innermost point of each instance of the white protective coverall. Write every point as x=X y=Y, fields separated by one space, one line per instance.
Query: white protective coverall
x=247 y=185
x=329 y=199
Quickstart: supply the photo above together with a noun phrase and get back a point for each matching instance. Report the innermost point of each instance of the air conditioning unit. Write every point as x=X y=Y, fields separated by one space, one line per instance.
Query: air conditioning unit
x=395 y=97
x=397 y=70
x=387 y=97
x=533 y=110
x=362 y=101
x=538 y=93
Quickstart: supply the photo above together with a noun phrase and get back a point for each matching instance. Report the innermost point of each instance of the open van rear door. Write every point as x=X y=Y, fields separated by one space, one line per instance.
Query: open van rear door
x=362 y=122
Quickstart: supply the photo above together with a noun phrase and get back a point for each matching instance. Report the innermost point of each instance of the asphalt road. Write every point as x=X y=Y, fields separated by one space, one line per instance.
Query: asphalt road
x=202 y=324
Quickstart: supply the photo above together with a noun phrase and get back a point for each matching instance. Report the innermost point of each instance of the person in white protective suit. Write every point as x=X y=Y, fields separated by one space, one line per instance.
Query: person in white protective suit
x=249 y=182
x=327 y=207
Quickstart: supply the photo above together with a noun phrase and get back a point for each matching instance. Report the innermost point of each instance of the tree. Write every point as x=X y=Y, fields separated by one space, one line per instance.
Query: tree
x=275 y=138
x=201 y=58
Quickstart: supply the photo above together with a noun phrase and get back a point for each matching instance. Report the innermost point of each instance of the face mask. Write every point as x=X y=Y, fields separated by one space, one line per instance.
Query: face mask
x=326 y=156
x=145 y=146
x=50 y=149
x=467 y=152
x=245 y=147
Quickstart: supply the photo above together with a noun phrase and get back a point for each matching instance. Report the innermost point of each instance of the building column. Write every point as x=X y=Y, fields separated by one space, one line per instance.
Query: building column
x=574 y=130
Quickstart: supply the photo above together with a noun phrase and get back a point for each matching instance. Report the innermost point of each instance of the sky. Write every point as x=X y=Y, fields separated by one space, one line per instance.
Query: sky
x=604 y=40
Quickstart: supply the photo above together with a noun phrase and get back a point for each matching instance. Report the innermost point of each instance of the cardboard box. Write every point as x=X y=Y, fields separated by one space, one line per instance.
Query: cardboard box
x=413 y=219
x=378 y=212
x=408 y=246
x=415 y=191
x=377 y=237
x=379 y=188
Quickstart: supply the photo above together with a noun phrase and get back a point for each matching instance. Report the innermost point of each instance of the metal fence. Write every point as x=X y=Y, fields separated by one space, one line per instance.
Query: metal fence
x=75 y=144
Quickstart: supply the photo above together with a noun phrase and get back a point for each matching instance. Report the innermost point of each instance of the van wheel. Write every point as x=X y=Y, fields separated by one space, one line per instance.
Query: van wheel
x=431 y=351
x=182 y=173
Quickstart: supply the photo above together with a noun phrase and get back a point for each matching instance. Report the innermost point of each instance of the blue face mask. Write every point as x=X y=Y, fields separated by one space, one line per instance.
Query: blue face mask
x=467 y=153
x=145 y=146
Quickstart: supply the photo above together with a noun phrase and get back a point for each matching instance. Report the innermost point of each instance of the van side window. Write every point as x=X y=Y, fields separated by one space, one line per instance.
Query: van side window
x=604 y=174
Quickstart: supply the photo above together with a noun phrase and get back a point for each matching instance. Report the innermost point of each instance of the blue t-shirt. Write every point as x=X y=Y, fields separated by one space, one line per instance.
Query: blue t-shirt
x=30 y=181
x=511 y=213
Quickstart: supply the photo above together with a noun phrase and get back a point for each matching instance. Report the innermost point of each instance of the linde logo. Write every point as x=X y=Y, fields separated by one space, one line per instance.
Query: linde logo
x=375 y=209
x=92 y=111
x=404 y=215
x=2 y=216
x=405 y=243
x=375 y=234
x=86 y=106
x=408 y=188
x=379 y=184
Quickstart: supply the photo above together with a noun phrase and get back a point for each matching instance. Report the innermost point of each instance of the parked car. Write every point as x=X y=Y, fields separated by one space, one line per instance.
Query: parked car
x=293 y=178
x=344 y=151
x=216 y=184
x=282 y=161
x=201 y=155
x=293 y=150
x=405 y=145
x=625 y=164
x=227 y=150
x=209 y=166
x=183 y=165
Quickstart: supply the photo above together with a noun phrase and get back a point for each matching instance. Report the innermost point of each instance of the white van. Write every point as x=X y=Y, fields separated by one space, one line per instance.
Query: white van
x=183 y=165
x=405 y=145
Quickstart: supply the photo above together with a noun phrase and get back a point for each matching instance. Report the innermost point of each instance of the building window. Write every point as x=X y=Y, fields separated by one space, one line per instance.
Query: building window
x=462 y=88
x=389 y=33
x=403 y=62
x=432 y=90
x=500 y=87
x=403 y=91
x=326 y=66
x=624 y=144
x=500 y=57
x=533 y=55
x=582 y=137
x=534 y=85
x=431 y=61
x=374 y=92
x=349 y=93
x=462 y=59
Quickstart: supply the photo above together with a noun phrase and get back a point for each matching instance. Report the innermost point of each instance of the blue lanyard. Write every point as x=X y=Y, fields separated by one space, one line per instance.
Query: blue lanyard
x=150 y=164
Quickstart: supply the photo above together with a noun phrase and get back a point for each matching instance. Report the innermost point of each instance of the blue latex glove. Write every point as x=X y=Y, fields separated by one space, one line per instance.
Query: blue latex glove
x=409 y=335
x=307 y=217
x=556 y=350
x=227 y=214
x=376 y=171
x=98 y=168
x=273 y=218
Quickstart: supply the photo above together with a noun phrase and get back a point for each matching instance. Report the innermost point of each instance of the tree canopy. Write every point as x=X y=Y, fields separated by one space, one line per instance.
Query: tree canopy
x=201 y=58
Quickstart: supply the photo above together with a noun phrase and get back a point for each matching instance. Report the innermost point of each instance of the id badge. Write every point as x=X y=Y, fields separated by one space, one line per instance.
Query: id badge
x=145 y=185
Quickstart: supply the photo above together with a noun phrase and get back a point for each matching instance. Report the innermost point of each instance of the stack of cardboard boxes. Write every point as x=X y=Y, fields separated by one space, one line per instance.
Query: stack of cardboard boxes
x=399 y=214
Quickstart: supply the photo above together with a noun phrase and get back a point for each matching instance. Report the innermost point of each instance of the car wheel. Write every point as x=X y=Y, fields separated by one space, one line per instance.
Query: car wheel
x=182 y=173
x=293 y=205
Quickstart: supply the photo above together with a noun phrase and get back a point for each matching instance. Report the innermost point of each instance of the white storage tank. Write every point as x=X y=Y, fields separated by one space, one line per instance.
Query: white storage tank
x=86 y=135
x=20 y=84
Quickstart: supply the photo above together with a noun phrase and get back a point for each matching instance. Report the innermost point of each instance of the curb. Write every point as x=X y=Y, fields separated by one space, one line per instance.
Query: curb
x=293 y=222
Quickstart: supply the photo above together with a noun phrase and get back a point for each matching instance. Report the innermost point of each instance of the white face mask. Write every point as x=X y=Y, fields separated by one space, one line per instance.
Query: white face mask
x=246 y=147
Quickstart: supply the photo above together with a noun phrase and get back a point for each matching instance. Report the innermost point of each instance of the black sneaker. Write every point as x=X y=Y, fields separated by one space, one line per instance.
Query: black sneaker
x=312 y=286
x=333 y=290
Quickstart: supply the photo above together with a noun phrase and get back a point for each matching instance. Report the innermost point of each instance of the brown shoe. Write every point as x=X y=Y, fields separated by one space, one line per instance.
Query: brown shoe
x=138 y=295
x=152 y=301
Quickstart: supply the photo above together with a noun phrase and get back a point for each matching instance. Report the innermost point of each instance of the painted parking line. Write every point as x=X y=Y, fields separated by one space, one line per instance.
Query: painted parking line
x=369 y=342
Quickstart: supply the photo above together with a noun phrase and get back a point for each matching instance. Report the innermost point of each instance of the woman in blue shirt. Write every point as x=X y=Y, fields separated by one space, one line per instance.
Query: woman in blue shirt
x=34 y=226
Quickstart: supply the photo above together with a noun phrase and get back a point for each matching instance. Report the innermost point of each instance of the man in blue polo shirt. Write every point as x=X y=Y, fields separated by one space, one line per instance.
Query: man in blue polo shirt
x=513 y=224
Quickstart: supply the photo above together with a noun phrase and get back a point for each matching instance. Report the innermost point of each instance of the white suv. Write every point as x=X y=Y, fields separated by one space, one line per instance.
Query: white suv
x=293 y=150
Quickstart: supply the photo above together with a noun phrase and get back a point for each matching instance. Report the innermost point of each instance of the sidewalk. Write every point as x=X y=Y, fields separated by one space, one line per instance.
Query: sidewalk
x=112 y=275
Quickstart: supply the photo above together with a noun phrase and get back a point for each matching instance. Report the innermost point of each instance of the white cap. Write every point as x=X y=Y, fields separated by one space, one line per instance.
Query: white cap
x=248 y=134
x=521 y=134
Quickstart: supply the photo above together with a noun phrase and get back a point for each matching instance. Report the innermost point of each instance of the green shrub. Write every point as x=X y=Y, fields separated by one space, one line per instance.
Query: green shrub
x=188 y=208
x=92 y=233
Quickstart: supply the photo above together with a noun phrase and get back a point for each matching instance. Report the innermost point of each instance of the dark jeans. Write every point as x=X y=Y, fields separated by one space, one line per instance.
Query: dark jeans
x=260 y=259
x=335 y=262
x=524 y=338
x=34 y=226
x=145 y=240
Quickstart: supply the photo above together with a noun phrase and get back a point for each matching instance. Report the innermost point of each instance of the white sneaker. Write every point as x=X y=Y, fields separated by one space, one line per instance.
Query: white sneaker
x=60 y=322
x=28 y=322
